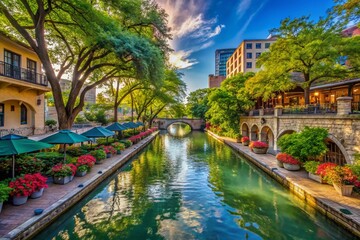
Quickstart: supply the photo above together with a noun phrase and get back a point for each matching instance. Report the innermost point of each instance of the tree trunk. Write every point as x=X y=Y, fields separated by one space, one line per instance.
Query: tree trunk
x=115 y=113
x=307 y=95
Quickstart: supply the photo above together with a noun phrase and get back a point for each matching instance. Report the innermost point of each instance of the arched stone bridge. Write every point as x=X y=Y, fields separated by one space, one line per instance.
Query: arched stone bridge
x=164 y=123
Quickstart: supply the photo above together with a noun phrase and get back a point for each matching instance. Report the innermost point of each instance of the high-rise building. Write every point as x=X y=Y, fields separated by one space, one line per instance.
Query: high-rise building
x=221 y=57
x=245 y=56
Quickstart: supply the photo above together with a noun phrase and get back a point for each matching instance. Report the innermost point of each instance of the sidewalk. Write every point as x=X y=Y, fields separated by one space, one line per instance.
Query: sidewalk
x=19 y=221
x=323 y=197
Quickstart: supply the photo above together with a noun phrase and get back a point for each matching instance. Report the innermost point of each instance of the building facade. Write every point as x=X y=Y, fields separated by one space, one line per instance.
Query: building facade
x=22 y=88
x=221 y=57
x=215 y=81
x=244 y=58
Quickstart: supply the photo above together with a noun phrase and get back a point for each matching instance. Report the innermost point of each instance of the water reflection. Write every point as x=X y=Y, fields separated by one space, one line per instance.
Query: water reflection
x=179 y=129
x=191 y=188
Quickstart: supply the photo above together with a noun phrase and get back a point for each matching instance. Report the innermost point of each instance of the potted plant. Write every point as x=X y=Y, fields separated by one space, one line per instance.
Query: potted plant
x=289 y=162
x=245 y=141
x=323 y=169
x=99 y=155
x=21 y=189
x=311 y=167
x=4 y=194
x=39 y=184
x=342 y=179
x=109 y=150
x=259 y=147
x=62 y=173
x=84 y=164
x=118 y=147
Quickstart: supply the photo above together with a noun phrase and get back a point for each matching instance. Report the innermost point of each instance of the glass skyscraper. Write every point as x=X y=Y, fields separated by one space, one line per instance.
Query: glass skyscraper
x=221 y=56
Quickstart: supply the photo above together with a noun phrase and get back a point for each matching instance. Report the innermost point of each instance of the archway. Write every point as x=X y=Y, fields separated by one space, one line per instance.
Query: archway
x=254 y=134
x=244 y=130
x=289 y=131
x=179 y=129
x=267 y=135
x=336 y=153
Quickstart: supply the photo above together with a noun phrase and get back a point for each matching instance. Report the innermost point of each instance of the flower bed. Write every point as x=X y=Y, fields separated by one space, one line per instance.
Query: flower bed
x=289 y=162
x=86 y=160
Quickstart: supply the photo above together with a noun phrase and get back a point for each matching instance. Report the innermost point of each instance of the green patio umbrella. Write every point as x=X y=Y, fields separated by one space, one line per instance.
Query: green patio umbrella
x=13 y=144
x=65 y=137
x=98 y=132
x=116 y=127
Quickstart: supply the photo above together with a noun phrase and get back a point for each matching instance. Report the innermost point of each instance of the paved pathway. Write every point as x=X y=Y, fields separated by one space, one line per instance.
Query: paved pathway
x=321 y=196
x=14 y=219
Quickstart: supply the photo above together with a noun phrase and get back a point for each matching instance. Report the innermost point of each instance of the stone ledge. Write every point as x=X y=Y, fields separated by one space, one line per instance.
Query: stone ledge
x=37 y=223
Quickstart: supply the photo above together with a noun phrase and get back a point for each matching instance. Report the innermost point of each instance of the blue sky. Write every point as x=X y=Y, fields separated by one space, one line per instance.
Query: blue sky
x=199 y=27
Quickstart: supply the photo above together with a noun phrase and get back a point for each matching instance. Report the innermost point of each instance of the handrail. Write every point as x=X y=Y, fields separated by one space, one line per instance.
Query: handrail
x=12 y=71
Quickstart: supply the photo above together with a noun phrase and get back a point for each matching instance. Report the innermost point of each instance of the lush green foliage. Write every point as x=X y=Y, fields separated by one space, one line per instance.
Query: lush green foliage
x=99 y=154
x=50 y=123
x=227 y=103
x=4 y=192
x=305 y=145
x=197 y=103
x=311 y=166
x=29 y=164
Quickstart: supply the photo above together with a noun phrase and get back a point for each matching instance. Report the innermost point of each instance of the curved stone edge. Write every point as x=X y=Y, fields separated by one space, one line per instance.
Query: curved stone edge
x=322 y=205
x=37 y=223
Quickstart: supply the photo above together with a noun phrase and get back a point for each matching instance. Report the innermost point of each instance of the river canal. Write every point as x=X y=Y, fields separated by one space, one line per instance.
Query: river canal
x=191 y=187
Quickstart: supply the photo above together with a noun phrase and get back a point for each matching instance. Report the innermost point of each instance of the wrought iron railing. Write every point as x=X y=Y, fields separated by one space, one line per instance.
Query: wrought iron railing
x=311 y=109
x=255 y=112
x=12 y=71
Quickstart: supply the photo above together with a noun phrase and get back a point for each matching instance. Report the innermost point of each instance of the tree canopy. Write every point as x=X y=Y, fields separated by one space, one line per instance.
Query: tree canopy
x=197 y=103
x=92 y=42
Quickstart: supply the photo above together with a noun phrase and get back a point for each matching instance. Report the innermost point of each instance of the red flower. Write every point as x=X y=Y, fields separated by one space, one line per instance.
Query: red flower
x=258 y=144
x=245 y=139
x=22 y=186
x=87 y=160
x=286 y=158
x=324 y=168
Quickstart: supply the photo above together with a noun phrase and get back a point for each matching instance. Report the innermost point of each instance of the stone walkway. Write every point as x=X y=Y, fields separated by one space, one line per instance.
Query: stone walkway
x=18 y=222
x=321 y=196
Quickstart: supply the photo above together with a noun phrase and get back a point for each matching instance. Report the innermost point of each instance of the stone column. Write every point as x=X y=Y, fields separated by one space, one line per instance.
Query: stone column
x=343 y=105
x=261 y=112
x=278 y=110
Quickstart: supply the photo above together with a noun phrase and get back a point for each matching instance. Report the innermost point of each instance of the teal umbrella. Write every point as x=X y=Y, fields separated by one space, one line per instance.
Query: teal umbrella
x=139 y=123
x=116 y=127
x=97 y=132
x=65 y=137
x=13 y=144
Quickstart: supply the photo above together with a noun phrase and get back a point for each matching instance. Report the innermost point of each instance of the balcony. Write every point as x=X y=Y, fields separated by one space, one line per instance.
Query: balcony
x=22 y=74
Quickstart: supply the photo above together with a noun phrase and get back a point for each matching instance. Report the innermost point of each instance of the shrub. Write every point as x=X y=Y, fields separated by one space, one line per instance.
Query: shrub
x=127 y=143
x=63 y=170
x=86 y=160
x=311 y=166
x=49 y=159
x=4 y=192
x=50 y=123
x=83 y=168
x=109 y=149
x=80 y=119
x=76 y=151
x=38 y=182
x=305 y=145
x=104 y=141
x=245 y=139
x=286 y=158
x=98 y=154
x=118 y=146
x=27 y=164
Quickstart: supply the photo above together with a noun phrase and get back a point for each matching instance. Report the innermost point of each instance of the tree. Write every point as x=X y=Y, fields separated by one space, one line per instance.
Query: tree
x=348 y=9
x=311 y=50
x=91 y=42
x=197 y=103
x=227 y=103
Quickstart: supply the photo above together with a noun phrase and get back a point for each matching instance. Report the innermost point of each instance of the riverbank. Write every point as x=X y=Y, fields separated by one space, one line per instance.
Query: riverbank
x=322 y=197
x=19 y=222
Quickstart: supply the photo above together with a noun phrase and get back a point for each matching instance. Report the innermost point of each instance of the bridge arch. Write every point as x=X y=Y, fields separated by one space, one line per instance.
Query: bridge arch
x=337 y=152
x=179 y=122
x=164 y=123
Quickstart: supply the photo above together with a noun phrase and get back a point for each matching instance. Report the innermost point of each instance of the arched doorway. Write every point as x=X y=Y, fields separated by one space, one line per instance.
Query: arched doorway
x=254 y=134
x=336 y=153
x=266 y=135
x=285 y=132
x=244 y=130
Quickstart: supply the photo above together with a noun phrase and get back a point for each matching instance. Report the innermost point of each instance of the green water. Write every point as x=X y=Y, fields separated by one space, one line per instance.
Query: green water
x=191 y=187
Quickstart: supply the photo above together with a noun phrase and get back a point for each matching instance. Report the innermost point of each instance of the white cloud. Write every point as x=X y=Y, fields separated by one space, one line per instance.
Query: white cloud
x=186 y=20
x=243 y=7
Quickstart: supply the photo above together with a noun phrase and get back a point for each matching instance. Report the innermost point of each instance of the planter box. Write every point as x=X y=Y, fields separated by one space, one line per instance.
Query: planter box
x=279 y=163
x=316 y=178
x=80 y=174
x=50 y=179
x=245 y=143
x=260 y=150
x=62 y=180
x=108 y=155
x=37 y=194
x=343 y=190
x=291 y=167
x=99 y=161
x=17 y=201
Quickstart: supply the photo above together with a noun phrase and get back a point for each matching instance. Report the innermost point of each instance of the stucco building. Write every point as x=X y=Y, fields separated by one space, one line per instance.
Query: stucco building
x=22 y=88
x=244 y=58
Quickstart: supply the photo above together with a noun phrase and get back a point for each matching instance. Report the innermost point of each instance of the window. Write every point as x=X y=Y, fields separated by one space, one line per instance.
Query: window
x=267 y=45
x=249 y=65
x=249 y=55
x=12 y=64
x=249 y=46
x=258 y=54
x=23 y=117
x=258 y=45
x=2 y=111
x=31 y=70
